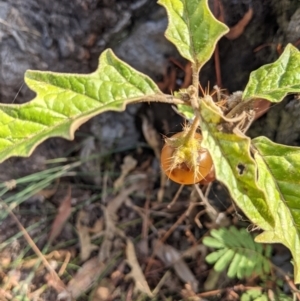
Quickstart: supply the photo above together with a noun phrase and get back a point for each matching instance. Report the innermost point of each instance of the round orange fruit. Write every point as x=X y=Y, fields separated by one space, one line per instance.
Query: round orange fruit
x=184 y=160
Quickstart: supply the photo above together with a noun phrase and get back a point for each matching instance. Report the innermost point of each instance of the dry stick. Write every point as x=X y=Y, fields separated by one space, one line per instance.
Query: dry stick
x=37 y=293
x=174 y=226
x=17 y=93
x=140 y=211
x=64 y=265
x=187 y=77
x=217 y=66
x=191 y=237
x=239 y=287
x=216 y=52
x=145 y=225
x=259 y=48
x=209 y=209
x=175 y=197
x=164 y=238
x=32 y=244
x=288 y=280
x=297 y=43
x=207 y=191
x=161 y=282
x=205 y=201
x=292 y=286
x=104 y=188
x=129 y=293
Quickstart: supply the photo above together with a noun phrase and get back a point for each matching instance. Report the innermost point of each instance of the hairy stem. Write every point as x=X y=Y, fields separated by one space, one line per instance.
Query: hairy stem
x=194 y=96
x=195 y=76
x=194 y=127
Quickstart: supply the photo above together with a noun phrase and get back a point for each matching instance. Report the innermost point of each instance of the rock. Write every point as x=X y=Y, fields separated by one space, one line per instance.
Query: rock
x=147 y=50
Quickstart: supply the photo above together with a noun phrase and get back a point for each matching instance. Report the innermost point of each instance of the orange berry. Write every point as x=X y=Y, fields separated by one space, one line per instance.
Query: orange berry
x=183 y=159
x=210 y=177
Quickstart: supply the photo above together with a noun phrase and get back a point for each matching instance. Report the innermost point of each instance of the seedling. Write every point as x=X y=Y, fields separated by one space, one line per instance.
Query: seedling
x=262 y=177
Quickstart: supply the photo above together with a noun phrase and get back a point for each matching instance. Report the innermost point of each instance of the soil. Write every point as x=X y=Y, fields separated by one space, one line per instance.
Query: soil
x=68 y=36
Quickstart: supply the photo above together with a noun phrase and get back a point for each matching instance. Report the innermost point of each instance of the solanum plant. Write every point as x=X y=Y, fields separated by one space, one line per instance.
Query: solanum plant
x=262 y=177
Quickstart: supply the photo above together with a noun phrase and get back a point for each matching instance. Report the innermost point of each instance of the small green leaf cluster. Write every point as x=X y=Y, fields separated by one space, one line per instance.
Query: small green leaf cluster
x=254 y=295
x=257 y=295
x=237 y=250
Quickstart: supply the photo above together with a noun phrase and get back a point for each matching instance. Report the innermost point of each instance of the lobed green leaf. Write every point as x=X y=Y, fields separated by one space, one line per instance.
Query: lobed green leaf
x=274 y=81
x=193 y=29
x=279 y=177
x=65 y=101
x=234 y=165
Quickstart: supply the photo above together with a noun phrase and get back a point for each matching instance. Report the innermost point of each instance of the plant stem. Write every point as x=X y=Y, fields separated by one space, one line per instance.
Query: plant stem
x=194 y=90
x=165 y=98
x=194 y=94
x=193 y=127
x=195 y=76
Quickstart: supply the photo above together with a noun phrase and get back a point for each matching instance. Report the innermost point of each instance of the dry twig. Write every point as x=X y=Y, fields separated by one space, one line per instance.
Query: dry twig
x=34 y=246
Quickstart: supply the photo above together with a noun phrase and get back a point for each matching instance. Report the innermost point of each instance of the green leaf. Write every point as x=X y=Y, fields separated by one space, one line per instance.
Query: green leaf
x=279 y=177
x=254 y=295
x=222 y=264
x=65 y=101
x=234 y=165
x=212 y=242
x=241 y=272
x=186 y=111
x=274 y=81
x=215 y=256
x=234 y=265
x=231 y=252
x=193 y=29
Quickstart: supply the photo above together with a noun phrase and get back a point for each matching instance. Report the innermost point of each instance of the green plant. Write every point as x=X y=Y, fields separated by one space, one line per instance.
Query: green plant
x=256 y=295
x=237 y=250
x=262 y=177
x=243 y=258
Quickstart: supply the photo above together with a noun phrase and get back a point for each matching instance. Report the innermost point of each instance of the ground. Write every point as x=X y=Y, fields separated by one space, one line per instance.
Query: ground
x=98 y=208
